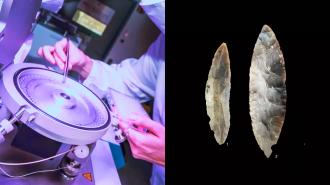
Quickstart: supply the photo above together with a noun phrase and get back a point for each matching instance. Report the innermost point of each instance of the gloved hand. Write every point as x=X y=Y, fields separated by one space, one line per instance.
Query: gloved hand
x=148 y=146
x=56 y=54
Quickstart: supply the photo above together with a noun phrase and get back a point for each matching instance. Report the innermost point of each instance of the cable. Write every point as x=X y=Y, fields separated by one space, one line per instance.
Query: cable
x=32 y=162
x=38 y=161
x=24 y=175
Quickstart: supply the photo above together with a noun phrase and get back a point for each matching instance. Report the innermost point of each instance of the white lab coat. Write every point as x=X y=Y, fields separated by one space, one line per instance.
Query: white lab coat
x=142 y=78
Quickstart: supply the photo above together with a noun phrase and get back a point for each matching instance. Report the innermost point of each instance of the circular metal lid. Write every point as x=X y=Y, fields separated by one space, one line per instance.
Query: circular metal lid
x=69 y=103
x=66 y=112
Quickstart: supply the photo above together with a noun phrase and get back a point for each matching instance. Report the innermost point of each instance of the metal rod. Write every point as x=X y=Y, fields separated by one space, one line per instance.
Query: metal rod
x=66 y=66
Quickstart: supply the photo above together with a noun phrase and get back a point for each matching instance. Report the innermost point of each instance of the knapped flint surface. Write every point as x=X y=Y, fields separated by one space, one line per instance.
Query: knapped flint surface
x=267 y=90
x=217 y=94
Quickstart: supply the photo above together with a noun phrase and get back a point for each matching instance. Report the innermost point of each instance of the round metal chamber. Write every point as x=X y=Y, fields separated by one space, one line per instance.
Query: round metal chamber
x=66 y=112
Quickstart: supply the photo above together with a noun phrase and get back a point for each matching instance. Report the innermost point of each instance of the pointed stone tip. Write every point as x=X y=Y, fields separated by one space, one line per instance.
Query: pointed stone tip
x=219 y=140
x=268 y=153
x=266 y=28
x=267 y=36
x=222 y=49
x=223 y=46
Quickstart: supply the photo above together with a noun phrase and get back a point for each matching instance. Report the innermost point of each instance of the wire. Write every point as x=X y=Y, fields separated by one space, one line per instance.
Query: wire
x=28 y=174
x=32 y=162
x=38 y=161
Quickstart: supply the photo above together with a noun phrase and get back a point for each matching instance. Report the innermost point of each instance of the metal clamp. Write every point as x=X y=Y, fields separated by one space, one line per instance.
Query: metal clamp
x=6 y=126
x=119 y=135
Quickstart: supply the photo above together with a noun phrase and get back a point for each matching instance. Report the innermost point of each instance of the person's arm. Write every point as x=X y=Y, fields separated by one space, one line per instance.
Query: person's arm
x=133 y=77
x=138 y=77
x=155 y=9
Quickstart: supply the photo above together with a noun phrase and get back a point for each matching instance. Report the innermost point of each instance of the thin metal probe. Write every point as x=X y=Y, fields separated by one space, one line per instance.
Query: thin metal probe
x=66 y=66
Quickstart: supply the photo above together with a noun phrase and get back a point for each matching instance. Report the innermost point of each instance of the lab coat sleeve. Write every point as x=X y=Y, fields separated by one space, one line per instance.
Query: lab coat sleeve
x=52 y=5
x=133 y=77
x=155 y=9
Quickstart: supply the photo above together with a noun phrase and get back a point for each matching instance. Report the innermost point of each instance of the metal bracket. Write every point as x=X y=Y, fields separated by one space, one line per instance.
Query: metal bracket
x=18 y=27
x=6 y=125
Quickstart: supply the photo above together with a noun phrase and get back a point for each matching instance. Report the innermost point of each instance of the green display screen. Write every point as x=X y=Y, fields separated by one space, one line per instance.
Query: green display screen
x=89 y=22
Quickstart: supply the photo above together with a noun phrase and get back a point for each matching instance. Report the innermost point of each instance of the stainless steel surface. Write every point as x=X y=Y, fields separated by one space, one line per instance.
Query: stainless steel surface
x=69 y=113
x=12 y=154
x=17 y=29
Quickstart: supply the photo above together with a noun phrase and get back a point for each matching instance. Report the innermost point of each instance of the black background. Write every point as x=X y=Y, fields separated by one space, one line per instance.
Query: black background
x=194 y=31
